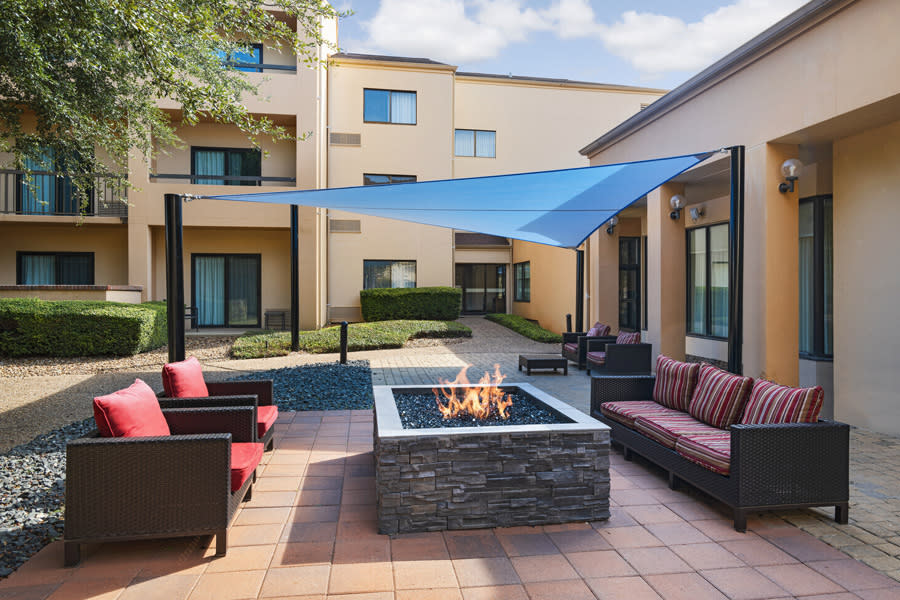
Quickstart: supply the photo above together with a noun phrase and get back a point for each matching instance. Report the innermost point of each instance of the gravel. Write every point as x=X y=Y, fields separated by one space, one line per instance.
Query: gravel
x=329 y=386
x=420 y=411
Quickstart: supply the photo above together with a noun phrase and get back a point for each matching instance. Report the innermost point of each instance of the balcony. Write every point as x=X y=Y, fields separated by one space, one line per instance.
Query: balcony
x=242 y=180
x=52 y=193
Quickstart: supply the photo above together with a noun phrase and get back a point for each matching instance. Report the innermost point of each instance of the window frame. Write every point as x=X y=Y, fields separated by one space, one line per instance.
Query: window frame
x=389 y=92
x=818 y=309
x=708 y=274
x=245 y=66
x=56 y=266
x=475 y=133
x=391 y=260
x=412 y=178
x=638 y=270
x=526 y=297
x=195 y=176
x=226 y=280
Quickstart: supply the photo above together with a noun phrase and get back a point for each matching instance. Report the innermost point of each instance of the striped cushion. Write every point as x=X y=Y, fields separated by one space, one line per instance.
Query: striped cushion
x=597 y=357
x=599 y=329
x=668 y=428
x=719 y=396
x=675 y=382
x=628 y=338
x=625 y=412
x=773 y=403
x=712 y=451
x=571 y=347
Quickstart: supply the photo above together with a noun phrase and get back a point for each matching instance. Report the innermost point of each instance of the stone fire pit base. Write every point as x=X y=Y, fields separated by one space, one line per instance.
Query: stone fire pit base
x=475 y=477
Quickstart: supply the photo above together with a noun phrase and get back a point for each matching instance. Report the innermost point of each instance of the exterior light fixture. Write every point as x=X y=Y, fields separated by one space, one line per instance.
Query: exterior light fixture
x=791 y=171
x=611 y=225
x=677 y=203
x=696 y=213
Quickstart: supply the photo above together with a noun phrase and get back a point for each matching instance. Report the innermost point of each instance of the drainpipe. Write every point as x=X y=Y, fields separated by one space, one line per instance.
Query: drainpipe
x=736 y=263
x=579 y=290
x=174 y=277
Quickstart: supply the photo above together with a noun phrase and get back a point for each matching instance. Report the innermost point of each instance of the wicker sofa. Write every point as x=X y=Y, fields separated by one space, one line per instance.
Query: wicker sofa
x=575 y=343
x=747 y=466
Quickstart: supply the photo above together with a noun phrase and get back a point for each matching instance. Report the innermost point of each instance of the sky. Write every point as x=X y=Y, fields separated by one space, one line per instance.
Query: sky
x=651 y=43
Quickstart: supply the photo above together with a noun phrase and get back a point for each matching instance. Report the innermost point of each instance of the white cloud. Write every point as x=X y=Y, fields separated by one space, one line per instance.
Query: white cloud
x=572 y=18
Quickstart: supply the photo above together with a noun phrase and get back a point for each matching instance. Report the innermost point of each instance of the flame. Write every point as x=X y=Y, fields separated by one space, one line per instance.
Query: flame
x=478 y=401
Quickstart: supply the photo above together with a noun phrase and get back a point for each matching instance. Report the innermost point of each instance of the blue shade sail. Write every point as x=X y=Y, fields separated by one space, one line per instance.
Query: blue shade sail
x=559 y=208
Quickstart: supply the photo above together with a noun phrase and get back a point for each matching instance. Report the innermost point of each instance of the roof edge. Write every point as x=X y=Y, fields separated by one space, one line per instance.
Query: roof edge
x=526 y=79
x=795 y=24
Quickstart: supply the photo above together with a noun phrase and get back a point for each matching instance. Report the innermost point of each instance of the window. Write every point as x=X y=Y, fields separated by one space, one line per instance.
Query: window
x=629 y=282
x=389 y=106
x=389 y=274
x=226 y=289
x=373 y=179
x=470 y=142
x=707 y=277
x=55 y=268
x=226 y=166
x=522 y=277
x=816 y=277
x=244 y=60
x=51 y=192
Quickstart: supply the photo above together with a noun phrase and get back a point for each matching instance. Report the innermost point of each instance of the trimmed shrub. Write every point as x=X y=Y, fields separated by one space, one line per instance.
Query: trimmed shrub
x=429 y=303
x=525 y=327
x=33 y=327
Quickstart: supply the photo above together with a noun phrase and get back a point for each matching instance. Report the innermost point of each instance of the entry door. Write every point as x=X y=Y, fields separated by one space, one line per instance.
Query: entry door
x=226 y=289
x=483 y=287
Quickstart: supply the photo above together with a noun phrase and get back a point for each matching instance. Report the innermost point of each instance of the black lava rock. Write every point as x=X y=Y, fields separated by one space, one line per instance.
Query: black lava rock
x=331 y=386
x=420 y=411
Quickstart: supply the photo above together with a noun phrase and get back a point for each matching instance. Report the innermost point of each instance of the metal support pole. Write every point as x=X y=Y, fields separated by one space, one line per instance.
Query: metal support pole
x=736 y=264
x=569 y=323
x=579 y=289
x=343 y=342
x=295 y=279
x=174 y=277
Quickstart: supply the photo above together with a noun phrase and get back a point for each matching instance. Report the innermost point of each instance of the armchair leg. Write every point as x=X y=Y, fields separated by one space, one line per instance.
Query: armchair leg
x=627 y=453
x=221 y=542
x=674 y=482
x=841 y=512
x=249 y=495
x=72 y=553
x=740 y=520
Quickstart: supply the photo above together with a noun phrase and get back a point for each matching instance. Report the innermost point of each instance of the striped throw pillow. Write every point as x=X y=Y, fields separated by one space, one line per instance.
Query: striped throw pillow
x=773 y=403
x=719 y=396
x=628 y=338
x=675 y=382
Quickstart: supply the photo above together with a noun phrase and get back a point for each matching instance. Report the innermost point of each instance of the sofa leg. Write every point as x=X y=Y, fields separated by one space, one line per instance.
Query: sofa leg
x=627 y=453
x=841 y=513
x=72 y=553
x=740 y=520
x=674 y=482
x=249 y=495
x=221 y=542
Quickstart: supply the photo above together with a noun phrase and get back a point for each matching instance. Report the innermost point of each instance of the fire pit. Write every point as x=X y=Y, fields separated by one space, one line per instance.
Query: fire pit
x=458 y=472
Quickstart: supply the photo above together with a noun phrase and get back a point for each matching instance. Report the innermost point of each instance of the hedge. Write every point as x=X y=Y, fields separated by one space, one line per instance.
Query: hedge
x=525 y=327
x=33 y=327
x=427 y=303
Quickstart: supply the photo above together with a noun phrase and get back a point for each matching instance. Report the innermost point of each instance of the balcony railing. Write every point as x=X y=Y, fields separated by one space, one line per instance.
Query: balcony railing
x=225 y=179
x=54 y=193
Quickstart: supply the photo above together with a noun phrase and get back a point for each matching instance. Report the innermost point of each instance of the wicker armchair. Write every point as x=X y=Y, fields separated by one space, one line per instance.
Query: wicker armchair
x=257 y=392
x=575 y=345
x=128 y=488
x=604 y=358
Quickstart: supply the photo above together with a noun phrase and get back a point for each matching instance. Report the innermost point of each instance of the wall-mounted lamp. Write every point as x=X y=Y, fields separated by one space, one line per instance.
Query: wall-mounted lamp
x=611 y=225
x=677 y=203
x=791 y=171
x=696 y=213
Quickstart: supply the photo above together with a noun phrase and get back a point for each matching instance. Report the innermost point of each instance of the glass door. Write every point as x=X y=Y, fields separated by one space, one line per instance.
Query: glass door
x=483 y=287
x=629 y=283
x=226 y=289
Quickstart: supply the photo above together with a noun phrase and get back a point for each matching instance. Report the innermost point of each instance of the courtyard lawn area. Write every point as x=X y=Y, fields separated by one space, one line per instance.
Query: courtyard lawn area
x=360 y=336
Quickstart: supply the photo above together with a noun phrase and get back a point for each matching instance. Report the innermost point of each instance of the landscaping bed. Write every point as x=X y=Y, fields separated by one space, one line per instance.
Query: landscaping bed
x=525 y=327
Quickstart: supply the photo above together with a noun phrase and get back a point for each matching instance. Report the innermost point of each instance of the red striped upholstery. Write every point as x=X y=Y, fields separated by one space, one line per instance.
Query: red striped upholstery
x=719 y=396
x=773 y=403
x=626 y=412
x=668 y=428
x=628 y=338
x=712 y=451
x=675 y=382
x=597 y=357
x=570 y=347
x=599 y=329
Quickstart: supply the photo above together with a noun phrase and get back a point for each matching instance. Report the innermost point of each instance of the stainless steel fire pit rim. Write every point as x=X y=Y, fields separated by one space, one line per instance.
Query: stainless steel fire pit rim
x=390 y=426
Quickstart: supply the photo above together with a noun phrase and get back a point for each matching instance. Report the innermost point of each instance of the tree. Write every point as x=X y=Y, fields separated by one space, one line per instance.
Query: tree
x=82 y=77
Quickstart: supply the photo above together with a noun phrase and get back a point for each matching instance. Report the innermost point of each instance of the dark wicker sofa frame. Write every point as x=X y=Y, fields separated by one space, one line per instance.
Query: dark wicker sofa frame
x=135 y=488
x=794 y=465
x=582 y=338
x=230 y=393
x=621 y=359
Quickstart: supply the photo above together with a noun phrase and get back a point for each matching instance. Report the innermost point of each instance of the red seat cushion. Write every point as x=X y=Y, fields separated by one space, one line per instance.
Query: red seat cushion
x=719 y=396
x=597 y=357
x=628 y=338
x=626 y=411
x=132 y=412
x=570 y=347
x=184 y=379
x=712 y=451
x=668 y=428
x=244 y=458
x=773 y=403
x=265 y=417
x=675 y=382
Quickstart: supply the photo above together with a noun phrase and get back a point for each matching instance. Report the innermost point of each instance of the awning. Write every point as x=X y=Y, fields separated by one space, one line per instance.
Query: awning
x=559 y=208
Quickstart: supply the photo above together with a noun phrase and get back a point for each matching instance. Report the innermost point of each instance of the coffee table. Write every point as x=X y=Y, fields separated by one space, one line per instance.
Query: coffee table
x=543 y=361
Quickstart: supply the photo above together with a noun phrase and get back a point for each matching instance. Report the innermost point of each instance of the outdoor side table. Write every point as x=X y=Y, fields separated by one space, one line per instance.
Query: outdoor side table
x=543 y=361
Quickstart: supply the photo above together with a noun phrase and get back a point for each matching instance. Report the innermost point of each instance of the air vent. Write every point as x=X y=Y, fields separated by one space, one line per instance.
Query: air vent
x=336 y=314
x=344 y=226
x=345 y=139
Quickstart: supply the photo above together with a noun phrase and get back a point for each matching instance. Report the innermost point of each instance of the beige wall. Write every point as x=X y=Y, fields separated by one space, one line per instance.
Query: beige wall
x=552 y=284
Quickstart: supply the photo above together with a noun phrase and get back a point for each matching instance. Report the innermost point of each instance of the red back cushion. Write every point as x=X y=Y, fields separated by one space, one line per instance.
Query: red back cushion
x=719 y=396
x=773 y=403
x=675 y=382
x=184 y=379
x=628 y=338
x=132 y=412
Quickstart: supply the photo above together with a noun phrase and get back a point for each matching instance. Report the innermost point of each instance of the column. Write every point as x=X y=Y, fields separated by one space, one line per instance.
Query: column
x=666 y=272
